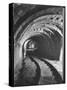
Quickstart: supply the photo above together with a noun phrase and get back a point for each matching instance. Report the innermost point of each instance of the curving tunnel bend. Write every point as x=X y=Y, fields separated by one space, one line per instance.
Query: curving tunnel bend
x=38 y=52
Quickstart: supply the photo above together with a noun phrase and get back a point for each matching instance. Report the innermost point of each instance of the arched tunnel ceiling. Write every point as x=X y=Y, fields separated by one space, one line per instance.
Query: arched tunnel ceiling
x=42 y=22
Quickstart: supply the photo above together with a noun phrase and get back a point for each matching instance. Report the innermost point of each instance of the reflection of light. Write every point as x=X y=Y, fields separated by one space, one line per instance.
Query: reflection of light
x=31 y=45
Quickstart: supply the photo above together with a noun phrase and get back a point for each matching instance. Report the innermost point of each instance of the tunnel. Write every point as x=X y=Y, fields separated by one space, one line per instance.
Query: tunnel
x=38 y=42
